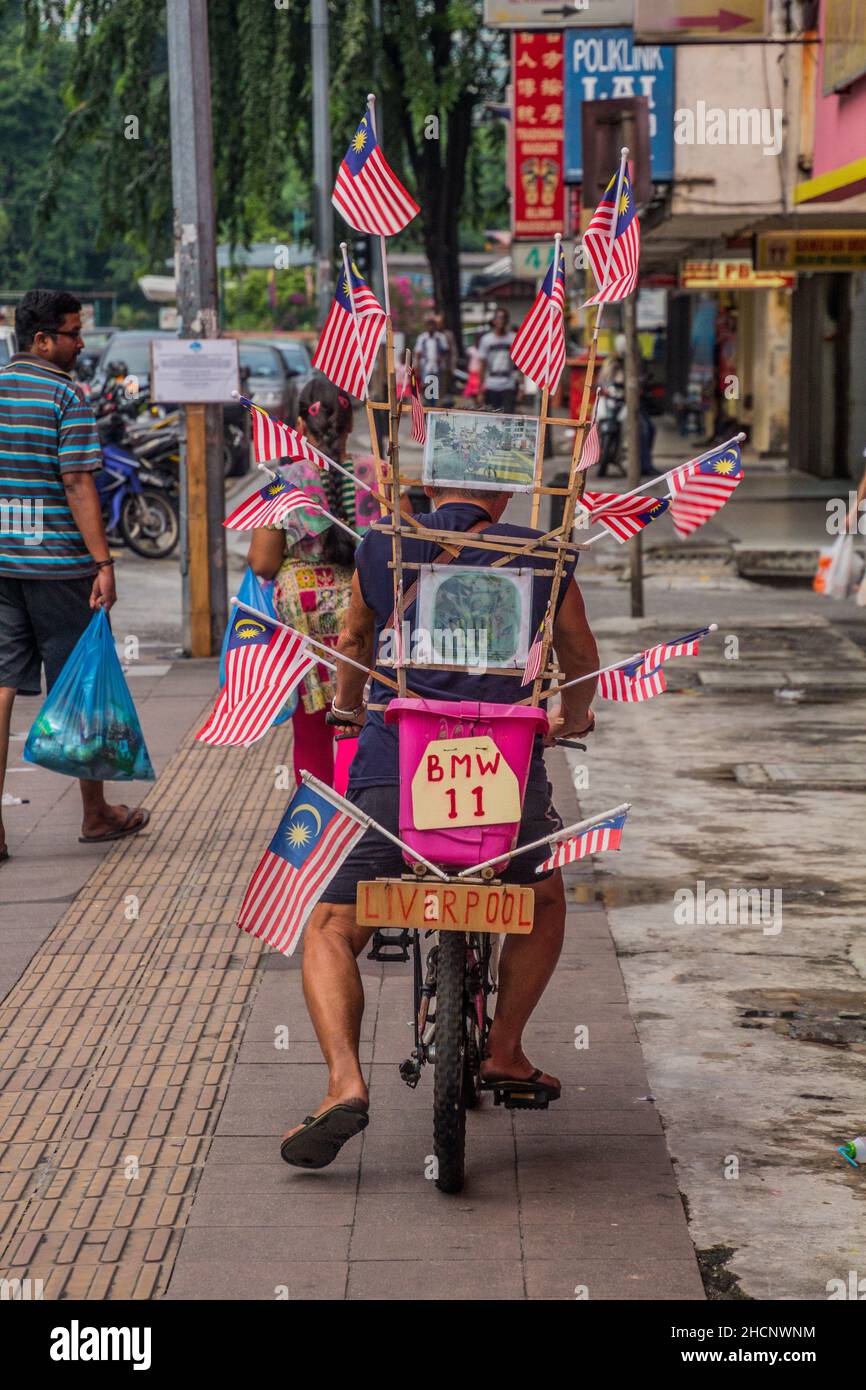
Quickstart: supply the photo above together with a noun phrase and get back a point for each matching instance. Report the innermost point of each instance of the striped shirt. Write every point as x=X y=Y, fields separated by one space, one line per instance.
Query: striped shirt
x=46 y=430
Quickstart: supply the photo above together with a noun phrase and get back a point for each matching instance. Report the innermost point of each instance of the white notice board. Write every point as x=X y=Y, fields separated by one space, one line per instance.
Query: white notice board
x=193 y=370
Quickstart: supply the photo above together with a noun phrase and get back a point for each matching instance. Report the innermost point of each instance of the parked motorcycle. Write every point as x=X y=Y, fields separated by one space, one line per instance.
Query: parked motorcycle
x=136 y=505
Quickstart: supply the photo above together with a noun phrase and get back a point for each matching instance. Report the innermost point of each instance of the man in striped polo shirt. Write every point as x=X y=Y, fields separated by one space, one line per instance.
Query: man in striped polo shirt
x=55 y=564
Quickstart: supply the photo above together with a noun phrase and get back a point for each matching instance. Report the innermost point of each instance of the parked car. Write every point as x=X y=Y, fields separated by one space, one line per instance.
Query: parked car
x=95 y=340
x=8 y=344
x=132 y=348
x=266 y=378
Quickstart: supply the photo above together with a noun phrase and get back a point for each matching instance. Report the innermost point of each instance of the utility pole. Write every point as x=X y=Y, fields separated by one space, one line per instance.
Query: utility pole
x=632 y=436
x=322 y=172
x=203 y=551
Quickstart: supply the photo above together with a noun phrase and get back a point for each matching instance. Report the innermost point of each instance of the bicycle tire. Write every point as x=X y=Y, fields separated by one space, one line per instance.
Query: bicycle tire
x=449 y=1103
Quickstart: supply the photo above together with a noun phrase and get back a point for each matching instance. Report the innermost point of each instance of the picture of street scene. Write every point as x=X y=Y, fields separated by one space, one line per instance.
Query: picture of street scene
x=469 y=449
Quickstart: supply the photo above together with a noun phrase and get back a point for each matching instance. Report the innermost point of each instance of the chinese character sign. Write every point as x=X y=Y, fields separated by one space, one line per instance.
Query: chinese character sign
x=602 y=63
x=538 y=85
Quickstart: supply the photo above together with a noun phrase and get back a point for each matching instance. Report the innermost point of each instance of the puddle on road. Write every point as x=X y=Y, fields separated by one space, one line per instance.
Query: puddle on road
x=807 y=894
x=834 y=1017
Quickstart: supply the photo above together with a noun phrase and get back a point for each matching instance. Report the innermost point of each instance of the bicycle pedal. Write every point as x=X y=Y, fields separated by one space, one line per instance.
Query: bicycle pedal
x=390 y=945
x=519 y=1100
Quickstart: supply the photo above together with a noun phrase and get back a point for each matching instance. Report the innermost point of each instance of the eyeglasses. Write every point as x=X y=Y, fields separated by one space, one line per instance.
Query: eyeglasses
x=62 y=333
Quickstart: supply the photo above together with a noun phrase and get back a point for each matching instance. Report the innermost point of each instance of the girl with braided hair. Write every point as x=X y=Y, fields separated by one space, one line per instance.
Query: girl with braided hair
x=312 y=563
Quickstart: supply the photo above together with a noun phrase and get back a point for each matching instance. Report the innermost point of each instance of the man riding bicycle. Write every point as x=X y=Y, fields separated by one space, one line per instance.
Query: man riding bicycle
x=333 y=939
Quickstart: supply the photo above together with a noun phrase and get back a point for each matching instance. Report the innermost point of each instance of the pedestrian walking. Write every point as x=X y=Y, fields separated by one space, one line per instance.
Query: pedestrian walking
x=431 y=356
x=501 y=382
x=55 y=564
x=312 y=563
x=474 y=365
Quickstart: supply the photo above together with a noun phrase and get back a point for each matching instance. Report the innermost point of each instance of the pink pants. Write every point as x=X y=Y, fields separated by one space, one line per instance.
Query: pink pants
x=313 y=750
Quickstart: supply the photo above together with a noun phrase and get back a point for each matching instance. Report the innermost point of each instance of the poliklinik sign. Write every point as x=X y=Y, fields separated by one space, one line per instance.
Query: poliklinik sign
x=603 y=63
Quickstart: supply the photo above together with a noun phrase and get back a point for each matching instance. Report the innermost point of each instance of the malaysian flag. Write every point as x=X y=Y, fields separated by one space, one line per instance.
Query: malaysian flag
x=419 y=423
x=348 y=343
x=367 y=192
x=605 y=834
x=268 y=506
x=621 y=515
x=312 y=840
x=591 y=451
x=632 y=682
x=274 y=440
x=533 y=659
x=698 y=490
x=621 y=276
x=539 y=344
x=689 y=645
x=264 y=662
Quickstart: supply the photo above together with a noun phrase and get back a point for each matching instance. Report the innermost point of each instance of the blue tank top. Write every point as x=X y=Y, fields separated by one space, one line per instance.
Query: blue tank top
x=375 y=762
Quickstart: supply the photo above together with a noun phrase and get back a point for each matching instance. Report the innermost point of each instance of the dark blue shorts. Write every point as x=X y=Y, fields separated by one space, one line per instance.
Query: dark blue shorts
x=40 y=622
x=376 y=857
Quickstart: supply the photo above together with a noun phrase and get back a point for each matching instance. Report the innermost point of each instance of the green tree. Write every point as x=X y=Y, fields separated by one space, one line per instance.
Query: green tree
x=432 y=63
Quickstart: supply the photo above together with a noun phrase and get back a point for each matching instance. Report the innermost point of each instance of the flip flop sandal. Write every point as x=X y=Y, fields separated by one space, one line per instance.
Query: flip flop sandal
x=130 y=827
x=4 y=856
x=517 y=1094
x=323 y=1136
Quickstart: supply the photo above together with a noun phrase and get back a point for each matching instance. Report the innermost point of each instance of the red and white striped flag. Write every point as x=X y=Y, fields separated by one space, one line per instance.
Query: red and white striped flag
x=367 y=192
x=632 y=688
x=274 y=440
x=268 y=506
x=264 y=662
x=312 y=840
x=538 y=349
x=689 y=645
x=419 y=423
x=533 y=659
x=621 y=515
x=348 y=343
x=607 y=834
x=591 y=451
x=619 y=279
x=699 y=489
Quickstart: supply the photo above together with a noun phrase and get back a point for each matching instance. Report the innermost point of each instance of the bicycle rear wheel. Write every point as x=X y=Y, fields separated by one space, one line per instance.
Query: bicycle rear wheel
x=449 y=1100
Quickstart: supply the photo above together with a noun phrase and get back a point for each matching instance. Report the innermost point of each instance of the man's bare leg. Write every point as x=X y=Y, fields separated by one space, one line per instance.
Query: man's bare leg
x=7 y=699
x=525 y=967
x=100 y=817
x=335 y=998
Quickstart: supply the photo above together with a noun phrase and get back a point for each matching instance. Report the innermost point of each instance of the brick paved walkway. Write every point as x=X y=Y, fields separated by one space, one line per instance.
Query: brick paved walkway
x=143 y=1096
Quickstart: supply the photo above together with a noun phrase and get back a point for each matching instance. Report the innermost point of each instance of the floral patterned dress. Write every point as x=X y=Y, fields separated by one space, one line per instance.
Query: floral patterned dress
x=309 y=594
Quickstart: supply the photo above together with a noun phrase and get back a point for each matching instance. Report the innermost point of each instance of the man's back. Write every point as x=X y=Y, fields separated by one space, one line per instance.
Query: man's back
x=46 y=429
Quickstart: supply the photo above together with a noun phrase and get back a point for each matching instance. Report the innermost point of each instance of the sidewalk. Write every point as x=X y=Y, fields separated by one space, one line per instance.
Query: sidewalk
x=143 y=1091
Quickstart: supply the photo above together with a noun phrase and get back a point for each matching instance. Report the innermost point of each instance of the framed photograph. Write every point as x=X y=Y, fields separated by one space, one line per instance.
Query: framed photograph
x=473 y=617
x=480 y=449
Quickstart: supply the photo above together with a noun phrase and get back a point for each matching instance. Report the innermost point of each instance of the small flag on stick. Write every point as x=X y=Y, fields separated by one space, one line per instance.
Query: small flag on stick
x=642 y=676
x=700 y=488
x=533 y=659
x=311 y=842
x=348 y=343
x=269 y=506
x=605 y=834
x=538 y=349
x=419 y=423
x=274 y=440
x=623 y=516
x=616 y=278
x=264 y=661
x=368 y=193
x=591 y=451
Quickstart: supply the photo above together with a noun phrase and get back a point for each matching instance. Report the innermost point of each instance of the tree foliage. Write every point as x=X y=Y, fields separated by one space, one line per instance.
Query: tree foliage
x=432 y=63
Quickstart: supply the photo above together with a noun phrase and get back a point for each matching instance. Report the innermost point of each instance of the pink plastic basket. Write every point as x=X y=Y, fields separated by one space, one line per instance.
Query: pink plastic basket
x=512 y=728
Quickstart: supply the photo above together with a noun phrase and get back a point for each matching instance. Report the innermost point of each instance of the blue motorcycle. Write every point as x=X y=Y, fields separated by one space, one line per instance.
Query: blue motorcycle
x=136 y=507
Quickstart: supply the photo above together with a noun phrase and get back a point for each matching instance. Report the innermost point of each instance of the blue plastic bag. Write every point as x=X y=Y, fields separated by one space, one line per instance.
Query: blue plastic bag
x=260 y=596
x=88 y=727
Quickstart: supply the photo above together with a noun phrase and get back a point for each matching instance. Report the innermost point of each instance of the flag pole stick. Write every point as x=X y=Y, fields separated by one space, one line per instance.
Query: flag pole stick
x=328 y=794
x=371 y=423
x=312 y=641
x=602 y=670
x=554 y=839
x=545 y=393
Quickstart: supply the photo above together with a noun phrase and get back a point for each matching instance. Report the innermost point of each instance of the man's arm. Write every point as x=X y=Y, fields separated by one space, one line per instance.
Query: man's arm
x=86 y=512
x=577 y=654
x=356 y=640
